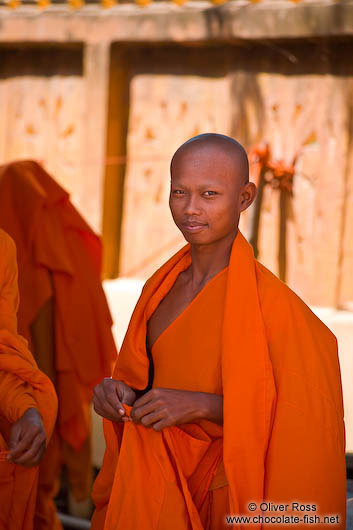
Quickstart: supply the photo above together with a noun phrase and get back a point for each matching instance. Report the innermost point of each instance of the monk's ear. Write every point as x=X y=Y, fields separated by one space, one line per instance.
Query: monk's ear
x=247 y=195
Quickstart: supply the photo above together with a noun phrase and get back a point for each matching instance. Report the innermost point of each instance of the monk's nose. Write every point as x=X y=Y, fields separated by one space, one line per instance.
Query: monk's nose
x=192 y=206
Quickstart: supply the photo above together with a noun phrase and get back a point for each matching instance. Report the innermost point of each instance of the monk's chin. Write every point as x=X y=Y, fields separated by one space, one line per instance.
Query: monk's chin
x=198 y=238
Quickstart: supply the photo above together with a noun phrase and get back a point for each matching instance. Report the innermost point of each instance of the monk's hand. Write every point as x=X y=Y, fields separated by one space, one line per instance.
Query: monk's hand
x=109 y=397
x=164 y=407
x=27 y=439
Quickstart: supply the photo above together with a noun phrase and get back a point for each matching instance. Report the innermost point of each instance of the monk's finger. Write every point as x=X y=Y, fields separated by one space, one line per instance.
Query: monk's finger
x=126 y=394
x=33 y=456
x=138 y=412
x=106 y=392
x=110 y=417
x=146 y=398
x=39 y=456
x=98 y=390
x=20 y=430
x=111 y=397
x=15 y=436
x=160 y=425
x=106 y=411
x=150 y=419
x=23 y=443
x=104 y=404
x=100 y=393
x=32 y=440
x=99 y=403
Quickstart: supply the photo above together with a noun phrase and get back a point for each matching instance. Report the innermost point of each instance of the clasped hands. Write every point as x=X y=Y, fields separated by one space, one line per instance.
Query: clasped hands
x=158 y=408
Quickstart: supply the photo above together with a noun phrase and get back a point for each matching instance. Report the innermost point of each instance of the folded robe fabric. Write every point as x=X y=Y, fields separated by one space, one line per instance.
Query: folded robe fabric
x=9 y=298
x=284 y=438
x=27 y=387
x=59 y=256
x=18 y=484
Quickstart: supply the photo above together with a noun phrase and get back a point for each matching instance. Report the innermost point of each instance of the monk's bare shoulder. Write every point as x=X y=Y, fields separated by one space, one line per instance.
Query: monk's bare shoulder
x=281 y=306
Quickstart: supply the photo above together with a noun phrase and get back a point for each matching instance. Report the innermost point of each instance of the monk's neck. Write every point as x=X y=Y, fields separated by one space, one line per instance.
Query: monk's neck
x=208 y=260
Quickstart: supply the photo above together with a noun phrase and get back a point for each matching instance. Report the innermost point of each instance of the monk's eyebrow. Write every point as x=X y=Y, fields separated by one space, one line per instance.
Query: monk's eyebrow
x=176 y=184
x=209 y=186
x=203 y=186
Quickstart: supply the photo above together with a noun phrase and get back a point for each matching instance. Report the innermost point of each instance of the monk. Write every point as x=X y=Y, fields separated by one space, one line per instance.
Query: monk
x=226 y=398
x=64 y=316
x=28 y=406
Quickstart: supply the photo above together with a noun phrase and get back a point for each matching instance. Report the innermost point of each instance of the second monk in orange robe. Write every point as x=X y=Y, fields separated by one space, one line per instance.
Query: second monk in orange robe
x=63 y=314
x=28 y=406
x=226 y=398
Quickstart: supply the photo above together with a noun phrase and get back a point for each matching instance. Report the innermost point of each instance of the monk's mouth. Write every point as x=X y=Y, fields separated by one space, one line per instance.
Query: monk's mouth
x=193 y=228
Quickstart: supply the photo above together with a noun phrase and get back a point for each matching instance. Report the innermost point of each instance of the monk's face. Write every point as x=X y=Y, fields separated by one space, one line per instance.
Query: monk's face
x=207 y=194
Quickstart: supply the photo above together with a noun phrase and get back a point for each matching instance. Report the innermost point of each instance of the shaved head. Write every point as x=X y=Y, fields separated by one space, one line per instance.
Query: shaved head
x=218 y=143
x=209 y=188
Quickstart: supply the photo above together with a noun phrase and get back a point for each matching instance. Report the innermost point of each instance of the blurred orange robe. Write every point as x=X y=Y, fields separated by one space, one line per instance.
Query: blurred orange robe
x=283 y=431
x=62 y=299
x=22 y=386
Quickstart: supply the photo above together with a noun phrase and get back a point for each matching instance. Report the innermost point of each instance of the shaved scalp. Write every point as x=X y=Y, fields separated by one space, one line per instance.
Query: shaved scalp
x=233 y=149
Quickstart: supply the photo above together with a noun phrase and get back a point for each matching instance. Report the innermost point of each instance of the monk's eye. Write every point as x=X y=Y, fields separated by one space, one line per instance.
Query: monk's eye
x=178 y=192
x=210 y=193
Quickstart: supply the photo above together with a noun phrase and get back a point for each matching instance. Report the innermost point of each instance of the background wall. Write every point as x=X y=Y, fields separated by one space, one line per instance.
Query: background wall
x=297 y=97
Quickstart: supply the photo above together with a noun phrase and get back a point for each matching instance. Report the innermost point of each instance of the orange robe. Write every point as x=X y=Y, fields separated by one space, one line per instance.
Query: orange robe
x=16 y=396
x=283 y=429
x=63 y=314
x=22 y=386
x=180 y=363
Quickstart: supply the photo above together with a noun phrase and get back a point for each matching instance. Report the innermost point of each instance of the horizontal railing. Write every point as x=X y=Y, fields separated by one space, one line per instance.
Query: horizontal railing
x=78 y=4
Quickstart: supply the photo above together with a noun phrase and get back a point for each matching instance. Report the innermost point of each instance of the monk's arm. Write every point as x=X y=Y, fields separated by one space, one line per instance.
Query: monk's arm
x=208 y=407
x=19 y=415
x=164 y=407
x=9 y=298
x=16 y=397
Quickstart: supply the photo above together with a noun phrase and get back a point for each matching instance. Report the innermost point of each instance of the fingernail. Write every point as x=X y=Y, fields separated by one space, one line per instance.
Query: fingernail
x=122 y=411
